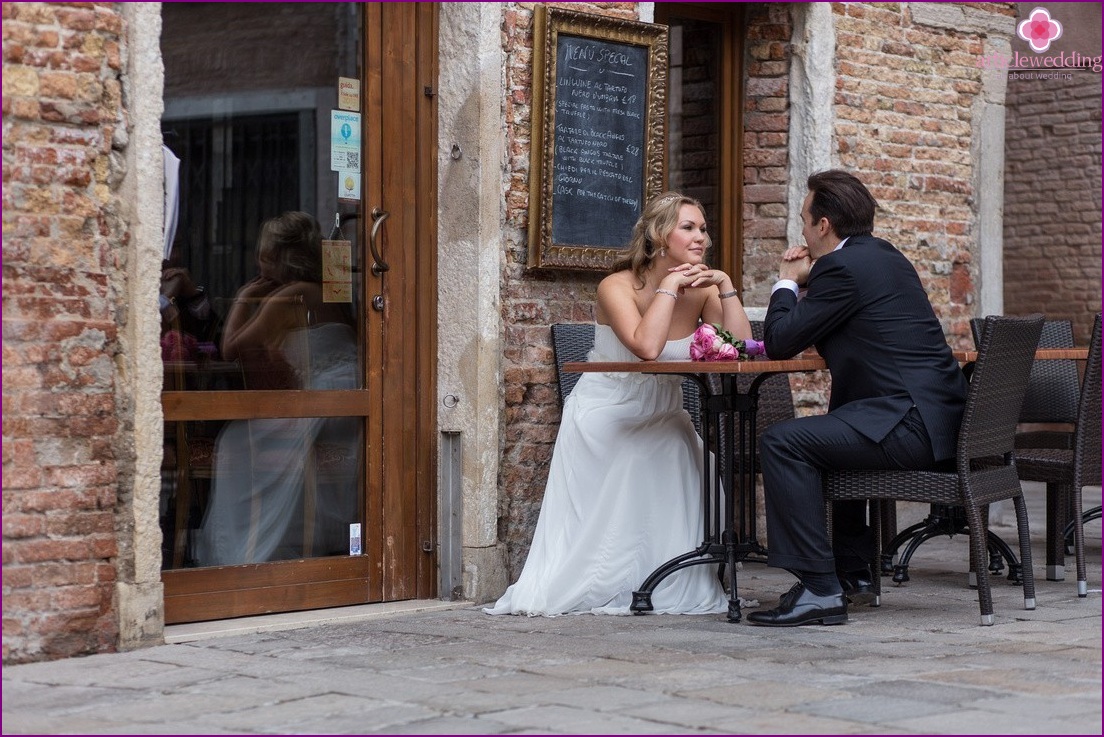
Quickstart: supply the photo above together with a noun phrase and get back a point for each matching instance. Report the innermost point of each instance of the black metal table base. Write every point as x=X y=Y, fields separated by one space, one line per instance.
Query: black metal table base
x=732 y=472
x=946 y=520
x=727 y=555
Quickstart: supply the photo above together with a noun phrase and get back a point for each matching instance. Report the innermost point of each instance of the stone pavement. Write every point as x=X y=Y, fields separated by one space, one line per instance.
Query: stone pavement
x=920 y=664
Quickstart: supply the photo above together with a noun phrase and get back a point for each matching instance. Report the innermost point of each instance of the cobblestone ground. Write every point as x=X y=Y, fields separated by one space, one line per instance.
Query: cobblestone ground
x=919 y=664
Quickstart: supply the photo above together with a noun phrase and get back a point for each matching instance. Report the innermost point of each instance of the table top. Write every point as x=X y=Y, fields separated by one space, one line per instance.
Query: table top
x=804 y=362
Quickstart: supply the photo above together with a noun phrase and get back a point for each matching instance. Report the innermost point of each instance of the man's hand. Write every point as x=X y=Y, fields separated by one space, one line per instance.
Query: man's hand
x=795 y=265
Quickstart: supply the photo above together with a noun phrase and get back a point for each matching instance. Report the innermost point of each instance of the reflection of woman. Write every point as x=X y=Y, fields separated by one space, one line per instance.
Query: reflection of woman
x=624 y=485
x=286 y=337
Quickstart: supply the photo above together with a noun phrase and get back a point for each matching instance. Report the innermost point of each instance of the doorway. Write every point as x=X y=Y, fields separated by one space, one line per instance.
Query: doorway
x=705 y=143
x=298 y=306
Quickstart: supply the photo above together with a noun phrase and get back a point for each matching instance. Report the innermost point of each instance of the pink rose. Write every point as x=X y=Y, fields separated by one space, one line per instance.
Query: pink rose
x=702 y=346
x=727 y=352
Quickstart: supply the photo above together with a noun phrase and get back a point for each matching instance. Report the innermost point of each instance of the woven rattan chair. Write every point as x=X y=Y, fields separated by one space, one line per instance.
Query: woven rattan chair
x=1052 y=390
x=1066 y=470
x=1051 y=399
x=985 y=468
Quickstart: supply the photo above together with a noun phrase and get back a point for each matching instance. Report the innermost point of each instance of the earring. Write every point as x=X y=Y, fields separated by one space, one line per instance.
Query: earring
x=662 y=252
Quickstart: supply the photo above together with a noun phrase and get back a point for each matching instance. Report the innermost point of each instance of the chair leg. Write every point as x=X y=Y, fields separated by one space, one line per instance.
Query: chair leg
x=887 y=518
x=1057 y=515
x=1025 y=551
x=1077 y=518
x=978 y=550
x=878 y=515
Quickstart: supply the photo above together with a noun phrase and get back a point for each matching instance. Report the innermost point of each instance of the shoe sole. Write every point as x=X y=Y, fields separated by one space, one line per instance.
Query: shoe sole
x=832 y=619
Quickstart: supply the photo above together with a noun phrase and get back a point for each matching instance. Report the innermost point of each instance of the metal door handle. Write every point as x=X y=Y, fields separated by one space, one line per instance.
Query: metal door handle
x=379 y=265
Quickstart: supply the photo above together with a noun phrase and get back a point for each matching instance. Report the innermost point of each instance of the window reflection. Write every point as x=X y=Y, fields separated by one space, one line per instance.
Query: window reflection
x=249 y=92
x=250 y=491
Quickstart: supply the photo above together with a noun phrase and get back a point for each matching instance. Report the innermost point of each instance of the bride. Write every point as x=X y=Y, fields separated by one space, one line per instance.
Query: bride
x=624 y=484
x=286 y=335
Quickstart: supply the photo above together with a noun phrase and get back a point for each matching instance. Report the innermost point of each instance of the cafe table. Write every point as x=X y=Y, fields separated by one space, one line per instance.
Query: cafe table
x=728 y=425
x=728 y=486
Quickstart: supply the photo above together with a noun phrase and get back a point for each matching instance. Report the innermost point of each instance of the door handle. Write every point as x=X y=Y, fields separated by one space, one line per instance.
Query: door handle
x=378 y=264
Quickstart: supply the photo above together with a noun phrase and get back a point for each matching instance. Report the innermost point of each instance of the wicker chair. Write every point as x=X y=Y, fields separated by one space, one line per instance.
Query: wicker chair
x=1052 y=394
x=985 y=469
x=1052 y=390
x=1066 y=470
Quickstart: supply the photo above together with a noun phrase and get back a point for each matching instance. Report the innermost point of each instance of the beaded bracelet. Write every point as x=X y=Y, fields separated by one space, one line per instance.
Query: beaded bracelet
x=728 y=295
x=668 y=292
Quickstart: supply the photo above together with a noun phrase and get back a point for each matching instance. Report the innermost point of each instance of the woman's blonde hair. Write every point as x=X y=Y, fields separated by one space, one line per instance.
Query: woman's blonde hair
x=659 y=219
x=294 y=241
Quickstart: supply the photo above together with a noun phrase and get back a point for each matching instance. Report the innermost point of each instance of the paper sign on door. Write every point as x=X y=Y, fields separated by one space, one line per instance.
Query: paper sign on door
x=337 y=271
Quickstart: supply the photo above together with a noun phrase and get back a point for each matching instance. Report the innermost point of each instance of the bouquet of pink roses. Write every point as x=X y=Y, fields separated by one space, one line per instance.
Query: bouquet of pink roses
x=713 y=343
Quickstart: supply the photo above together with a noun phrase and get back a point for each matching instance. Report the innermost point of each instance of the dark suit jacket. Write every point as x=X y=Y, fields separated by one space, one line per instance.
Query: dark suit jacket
x=866 y=312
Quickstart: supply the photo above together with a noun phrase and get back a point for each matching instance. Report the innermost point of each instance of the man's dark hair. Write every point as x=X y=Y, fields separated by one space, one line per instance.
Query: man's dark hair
x=844 y=200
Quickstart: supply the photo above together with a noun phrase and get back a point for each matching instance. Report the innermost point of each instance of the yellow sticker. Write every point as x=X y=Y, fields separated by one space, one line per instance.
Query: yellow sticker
x=348 y=94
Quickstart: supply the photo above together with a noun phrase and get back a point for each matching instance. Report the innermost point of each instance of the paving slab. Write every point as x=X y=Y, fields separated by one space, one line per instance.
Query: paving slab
x=919 y=664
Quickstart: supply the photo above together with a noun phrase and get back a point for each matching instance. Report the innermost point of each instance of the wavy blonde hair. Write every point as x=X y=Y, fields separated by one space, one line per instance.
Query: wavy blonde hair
x=294 y=240
x=659 y=219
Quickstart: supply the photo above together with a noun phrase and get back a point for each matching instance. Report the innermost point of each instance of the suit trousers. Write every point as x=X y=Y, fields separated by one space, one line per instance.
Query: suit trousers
x=793 y=453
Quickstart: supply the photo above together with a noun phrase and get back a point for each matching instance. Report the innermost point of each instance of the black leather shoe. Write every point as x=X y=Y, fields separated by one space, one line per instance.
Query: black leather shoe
x=801 y=606
x=858 y=586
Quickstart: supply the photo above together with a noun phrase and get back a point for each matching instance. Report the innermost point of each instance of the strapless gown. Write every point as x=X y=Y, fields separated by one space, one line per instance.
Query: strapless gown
x=623 y=496
x=255 y=512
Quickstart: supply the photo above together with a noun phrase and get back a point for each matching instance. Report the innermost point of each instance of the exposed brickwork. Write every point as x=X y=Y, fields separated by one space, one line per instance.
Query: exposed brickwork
x=63 y=271
x=904 y=100
x=766 y=146
x=533 y=301
x=1052 y=199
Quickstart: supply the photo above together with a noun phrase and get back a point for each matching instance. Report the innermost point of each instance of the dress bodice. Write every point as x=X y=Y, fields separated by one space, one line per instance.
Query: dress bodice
x=608 y=348
x=322 y=356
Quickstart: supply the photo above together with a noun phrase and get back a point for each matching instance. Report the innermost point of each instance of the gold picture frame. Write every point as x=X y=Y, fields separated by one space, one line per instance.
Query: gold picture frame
x=599 y=115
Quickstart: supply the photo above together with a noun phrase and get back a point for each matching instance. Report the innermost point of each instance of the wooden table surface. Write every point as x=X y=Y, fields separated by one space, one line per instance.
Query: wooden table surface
x=763 y=365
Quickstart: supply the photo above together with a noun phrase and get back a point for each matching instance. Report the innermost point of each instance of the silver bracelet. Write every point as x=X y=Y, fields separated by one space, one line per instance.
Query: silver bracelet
x=668 y=292
x=728 y=295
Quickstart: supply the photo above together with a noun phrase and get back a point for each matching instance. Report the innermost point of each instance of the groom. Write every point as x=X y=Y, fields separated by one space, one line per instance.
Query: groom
x=897 y=395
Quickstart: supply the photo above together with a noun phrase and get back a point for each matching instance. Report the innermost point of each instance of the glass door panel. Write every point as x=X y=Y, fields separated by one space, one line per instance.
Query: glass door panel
x=263 y=323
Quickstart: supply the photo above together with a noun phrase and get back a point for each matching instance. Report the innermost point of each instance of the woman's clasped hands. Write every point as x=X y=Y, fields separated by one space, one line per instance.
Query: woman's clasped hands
x=696 y=276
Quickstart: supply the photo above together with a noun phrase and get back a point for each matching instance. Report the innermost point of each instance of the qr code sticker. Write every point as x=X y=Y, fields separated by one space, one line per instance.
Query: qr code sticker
x=353 y=160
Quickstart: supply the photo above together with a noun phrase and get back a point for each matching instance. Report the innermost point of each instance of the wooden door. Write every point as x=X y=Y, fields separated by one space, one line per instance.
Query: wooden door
x=266 y=478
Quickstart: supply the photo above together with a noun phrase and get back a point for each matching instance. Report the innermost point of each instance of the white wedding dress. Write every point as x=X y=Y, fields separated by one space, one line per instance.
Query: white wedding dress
x=623 y=496
x=256 y=511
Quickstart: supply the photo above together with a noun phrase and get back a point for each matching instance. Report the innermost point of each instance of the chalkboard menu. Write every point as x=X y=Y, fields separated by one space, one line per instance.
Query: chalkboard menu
x=598 y=112
x=597 y=170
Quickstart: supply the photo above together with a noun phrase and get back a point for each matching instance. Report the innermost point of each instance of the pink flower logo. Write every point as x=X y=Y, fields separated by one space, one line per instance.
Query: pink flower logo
x=1039 y=30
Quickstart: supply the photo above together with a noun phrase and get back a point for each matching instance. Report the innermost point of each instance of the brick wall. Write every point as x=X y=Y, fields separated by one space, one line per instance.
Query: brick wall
x=62 y=267
x=1052 y=199
x=766 y=146
x=531 y=302
x=904 y=113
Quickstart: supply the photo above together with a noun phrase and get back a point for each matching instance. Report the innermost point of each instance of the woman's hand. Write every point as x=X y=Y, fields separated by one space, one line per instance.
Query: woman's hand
x=257 y=287
x=695 y=276
x=176 y=282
